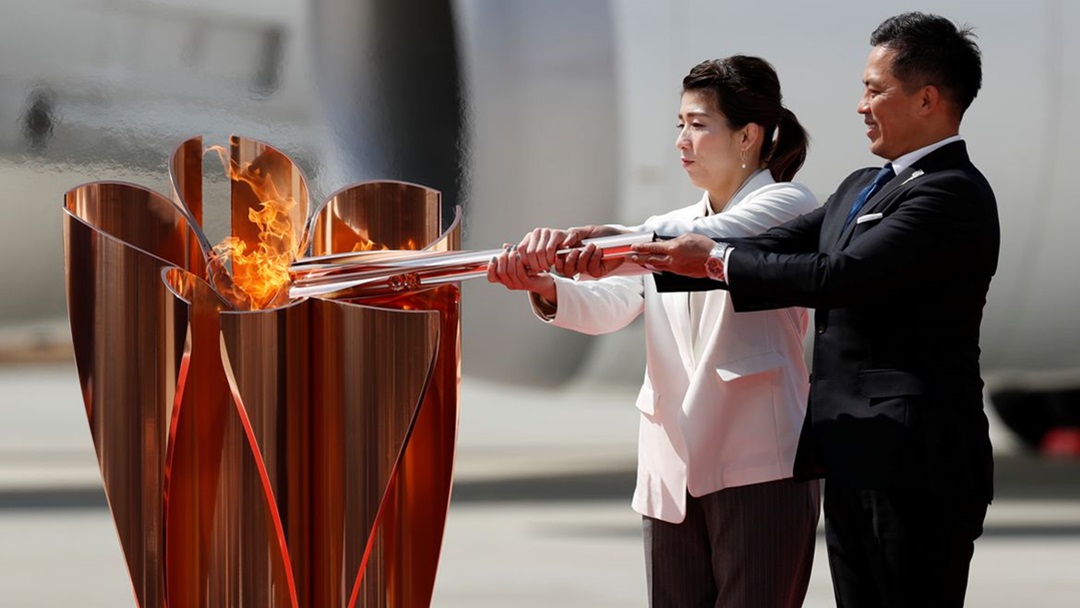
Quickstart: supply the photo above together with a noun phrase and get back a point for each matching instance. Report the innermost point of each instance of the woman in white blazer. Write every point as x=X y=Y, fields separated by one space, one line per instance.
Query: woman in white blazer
x=724 y=394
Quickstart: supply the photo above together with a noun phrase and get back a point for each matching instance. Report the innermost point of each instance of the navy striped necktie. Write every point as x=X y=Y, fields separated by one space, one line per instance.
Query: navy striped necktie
x=883 y=176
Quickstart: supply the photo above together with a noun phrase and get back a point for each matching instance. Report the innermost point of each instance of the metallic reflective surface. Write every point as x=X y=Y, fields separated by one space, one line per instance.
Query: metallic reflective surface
x=223 y=534
x=129 y=346
x=402 y=559
x=376 y=215
x=414 y=515
x=300 y=455
x=375 y=272
x=186 y=181
x=380 y=360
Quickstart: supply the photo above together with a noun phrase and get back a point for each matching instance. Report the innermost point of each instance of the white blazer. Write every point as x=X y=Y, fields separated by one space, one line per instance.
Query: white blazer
x=730 y=416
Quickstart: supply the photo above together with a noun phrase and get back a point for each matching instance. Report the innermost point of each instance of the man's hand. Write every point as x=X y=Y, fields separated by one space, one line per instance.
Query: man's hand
x=685 y=255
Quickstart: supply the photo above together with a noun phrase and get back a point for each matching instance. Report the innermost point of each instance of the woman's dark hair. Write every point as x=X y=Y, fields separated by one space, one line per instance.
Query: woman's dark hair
x=747 y=90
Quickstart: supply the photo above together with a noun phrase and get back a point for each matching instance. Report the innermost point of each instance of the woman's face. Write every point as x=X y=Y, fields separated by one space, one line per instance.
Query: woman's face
x=708 y=148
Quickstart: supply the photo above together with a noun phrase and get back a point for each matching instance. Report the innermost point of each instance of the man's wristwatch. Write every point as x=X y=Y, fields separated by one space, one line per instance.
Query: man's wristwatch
x=714 y=265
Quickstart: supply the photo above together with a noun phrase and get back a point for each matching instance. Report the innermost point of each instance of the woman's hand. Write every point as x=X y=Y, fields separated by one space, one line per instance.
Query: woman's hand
x=540 y=247
x=509 y=269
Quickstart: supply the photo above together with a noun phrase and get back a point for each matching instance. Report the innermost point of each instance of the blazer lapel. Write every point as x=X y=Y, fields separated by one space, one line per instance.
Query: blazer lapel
x=886 y=191
x=677 y=307
x=875 y=201
x=833 y=228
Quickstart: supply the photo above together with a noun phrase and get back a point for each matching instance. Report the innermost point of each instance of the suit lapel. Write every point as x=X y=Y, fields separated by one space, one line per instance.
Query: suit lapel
x=945 y=156
x=833 y=227
x=875 y=201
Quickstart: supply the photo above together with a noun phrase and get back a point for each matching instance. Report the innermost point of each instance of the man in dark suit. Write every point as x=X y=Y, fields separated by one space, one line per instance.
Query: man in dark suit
x=896 y=264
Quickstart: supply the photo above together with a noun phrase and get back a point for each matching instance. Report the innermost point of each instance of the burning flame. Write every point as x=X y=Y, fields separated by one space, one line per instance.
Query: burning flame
x=366 y=244
x=261 y=274
x=255 y=275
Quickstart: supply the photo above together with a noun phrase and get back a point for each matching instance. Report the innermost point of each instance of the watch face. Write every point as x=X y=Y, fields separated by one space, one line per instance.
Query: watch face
x=714 y=266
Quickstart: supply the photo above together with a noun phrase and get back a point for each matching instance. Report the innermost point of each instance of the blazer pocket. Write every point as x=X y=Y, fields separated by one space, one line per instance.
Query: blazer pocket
x=748 y=366
x=884 y=383
x=646 y=400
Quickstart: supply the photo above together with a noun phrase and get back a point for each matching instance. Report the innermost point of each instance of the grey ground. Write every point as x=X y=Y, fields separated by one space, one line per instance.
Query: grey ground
x=540 y=515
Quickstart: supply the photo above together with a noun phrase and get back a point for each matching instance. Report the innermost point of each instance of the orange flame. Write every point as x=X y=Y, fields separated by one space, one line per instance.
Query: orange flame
x=261 y=274
x=366 y=244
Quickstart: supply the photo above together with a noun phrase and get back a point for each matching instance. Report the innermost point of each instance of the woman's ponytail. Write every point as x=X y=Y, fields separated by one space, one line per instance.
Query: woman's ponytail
x=789 y=151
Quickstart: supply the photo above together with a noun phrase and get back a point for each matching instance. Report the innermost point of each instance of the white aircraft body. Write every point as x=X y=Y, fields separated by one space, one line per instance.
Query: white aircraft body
x=527 y=113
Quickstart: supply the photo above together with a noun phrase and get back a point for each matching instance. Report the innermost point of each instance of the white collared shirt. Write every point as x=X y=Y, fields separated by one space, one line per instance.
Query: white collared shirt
x=906 y=160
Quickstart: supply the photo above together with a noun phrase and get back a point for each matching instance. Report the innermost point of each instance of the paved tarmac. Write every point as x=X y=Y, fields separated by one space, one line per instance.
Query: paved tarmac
x=540 y=515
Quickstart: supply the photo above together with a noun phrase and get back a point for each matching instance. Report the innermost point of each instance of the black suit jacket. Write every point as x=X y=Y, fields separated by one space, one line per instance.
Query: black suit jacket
x=896 y=392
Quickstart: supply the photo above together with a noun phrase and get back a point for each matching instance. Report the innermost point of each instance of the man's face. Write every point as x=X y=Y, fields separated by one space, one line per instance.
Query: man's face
x=892 y=116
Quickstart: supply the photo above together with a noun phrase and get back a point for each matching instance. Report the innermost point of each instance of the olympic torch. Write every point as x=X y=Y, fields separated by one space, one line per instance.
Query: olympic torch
x=348 y=275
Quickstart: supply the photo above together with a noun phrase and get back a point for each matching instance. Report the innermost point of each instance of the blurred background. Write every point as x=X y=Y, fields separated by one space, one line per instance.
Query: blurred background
x=525 y=113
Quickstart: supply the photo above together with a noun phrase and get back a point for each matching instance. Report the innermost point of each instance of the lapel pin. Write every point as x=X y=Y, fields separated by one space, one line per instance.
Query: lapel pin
x=913 y=176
